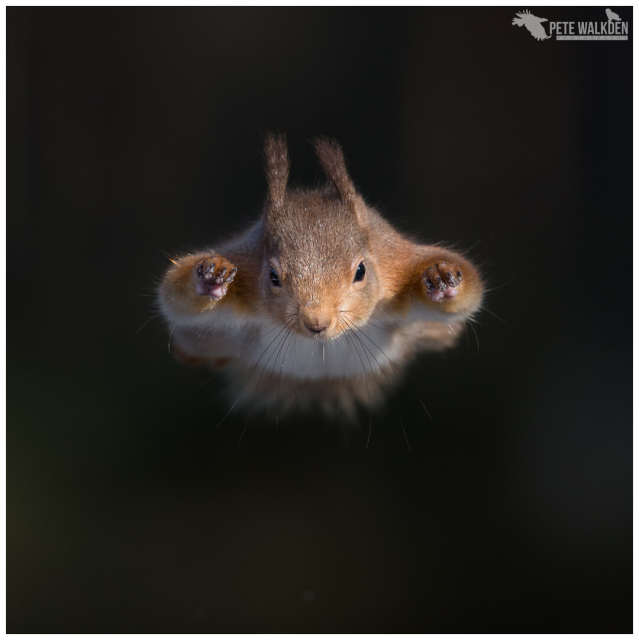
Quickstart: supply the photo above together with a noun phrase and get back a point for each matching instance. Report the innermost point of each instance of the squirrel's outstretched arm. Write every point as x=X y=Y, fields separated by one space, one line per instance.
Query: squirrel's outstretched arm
x=442 y=282
x=198 y=285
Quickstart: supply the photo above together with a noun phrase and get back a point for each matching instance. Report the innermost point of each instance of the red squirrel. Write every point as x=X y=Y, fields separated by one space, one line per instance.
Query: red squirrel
x=321 y=302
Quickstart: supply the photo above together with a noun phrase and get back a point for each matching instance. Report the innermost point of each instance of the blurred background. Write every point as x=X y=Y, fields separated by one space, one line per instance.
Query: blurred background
x=135 y=133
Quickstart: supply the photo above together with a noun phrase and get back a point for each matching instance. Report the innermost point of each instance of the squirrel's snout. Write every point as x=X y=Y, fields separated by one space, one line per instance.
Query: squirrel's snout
x=317 y=328
x=316 y=323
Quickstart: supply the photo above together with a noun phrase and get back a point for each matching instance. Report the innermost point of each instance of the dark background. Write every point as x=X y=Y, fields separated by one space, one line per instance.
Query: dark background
x=137 y=132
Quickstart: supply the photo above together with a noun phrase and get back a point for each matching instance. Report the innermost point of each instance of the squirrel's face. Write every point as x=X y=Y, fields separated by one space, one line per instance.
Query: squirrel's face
x=318 y=274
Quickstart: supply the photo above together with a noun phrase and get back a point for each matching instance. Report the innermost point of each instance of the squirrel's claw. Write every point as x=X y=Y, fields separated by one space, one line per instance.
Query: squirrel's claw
x=214 y=275
x=440 y=280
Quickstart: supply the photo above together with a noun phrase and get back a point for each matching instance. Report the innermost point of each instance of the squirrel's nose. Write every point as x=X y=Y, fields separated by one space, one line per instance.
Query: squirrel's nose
x=316 y=320
x=317 y=327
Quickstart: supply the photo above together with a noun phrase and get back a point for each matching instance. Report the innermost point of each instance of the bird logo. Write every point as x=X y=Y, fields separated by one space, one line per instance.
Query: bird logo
x=612 y=16
x=533 y=24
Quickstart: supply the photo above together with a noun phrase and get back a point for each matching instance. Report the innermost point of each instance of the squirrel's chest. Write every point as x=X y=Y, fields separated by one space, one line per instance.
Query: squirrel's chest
x=353 y=354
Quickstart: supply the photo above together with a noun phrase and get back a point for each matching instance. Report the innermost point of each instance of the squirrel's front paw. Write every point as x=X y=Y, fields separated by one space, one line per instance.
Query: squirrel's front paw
x=214 y=275
x=441 y=280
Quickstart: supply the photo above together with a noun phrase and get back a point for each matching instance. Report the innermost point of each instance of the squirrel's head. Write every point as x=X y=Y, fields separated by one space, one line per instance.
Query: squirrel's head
x=318 y=274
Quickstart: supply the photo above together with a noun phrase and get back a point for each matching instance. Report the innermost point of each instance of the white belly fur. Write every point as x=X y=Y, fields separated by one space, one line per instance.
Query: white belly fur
x=303 y=358
x=272 y=349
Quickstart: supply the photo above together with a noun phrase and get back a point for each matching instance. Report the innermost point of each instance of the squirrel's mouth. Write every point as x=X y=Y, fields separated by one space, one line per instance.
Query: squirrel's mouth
x=325 y=334
x=317 y=326
x=320 y=336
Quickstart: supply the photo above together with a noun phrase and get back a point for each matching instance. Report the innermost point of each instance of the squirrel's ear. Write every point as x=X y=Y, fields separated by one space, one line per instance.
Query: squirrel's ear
x=331 y=158
x=277 y=168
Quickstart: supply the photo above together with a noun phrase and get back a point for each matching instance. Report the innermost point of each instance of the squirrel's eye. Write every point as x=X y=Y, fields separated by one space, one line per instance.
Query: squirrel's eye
x=275 y=279
x=360 y=273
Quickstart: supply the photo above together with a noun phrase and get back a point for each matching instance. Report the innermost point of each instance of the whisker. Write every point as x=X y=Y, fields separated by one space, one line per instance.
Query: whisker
x=396 y=368
x=264 y=352
x=471 y=323
x=368 y=391
x=279 y=381
x=260 y=378
x=155 y=315
x=496 y=316
x=172 y=330
x=368 y=323
x=401 y=422
x=227 y=413
x=501 y=286
x=273 y=326
x=281 y=346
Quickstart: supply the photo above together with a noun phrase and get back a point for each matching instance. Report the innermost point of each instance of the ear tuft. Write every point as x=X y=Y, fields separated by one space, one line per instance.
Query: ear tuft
x=331 y=158
x=277 y=167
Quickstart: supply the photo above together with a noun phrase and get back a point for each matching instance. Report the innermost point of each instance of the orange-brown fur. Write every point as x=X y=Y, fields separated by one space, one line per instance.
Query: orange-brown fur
x=317 y=243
